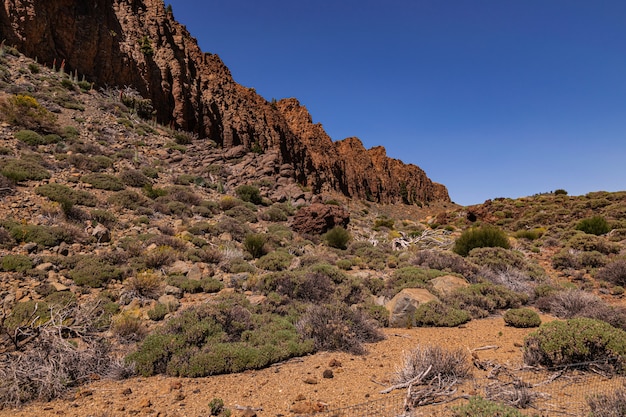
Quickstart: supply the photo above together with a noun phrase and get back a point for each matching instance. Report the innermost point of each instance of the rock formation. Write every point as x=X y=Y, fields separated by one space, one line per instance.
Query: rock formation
x=138 y=43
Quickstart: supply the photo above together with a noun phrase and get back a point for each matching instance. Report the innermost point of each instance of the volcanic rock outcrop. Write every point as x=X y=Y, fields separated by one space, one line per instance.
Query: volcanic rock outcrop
x=138 y=43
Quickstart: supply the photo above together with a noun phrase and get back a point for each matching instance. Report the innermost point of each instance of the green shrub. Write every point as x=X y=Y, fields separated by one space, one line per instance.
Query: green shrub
x=345 y=264
x=255 y=244
x=249 y=193
x=274 y=214
x=410 y=277
x=575 y=341
x=22 y=170
x=242 y=214
x=104 y=217
x=435 y=313
x=383 y=221
x=337 y=237
x=278 y=260
x=25 y=111
x=29 y=137
x=103 y=181
x=522 y=318
x=480 y=300
x=128 y=199
x=225 y=336
x=42 y=235
x=134 y=178
x=94 y=272
x=61 y=193
x=596 y=225
x=16 y=263
x=158 y=312
x=25 y=313
x=530 y=234
x=480 y=237
x=480 y=407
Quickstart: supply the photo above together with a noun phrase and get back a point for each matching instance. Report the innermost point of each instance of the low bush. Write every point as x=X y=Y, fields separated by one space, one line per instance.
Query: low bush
x=480 y=237
x=147 y=284
x=522 y=318
x=255 y=244
x=19 y=170
x=128 y=199
x=337 y=327
x=337 y=237
x=588 y=243
x=16 y=263
x=242 y=214
x=435 y=313
x=25 y=111
x=134 y=178
x=278 y=260
x=274 y=214
x=596 y=225
x=128 y=328
x=225 y=336
x=575 y=341
x=158 y=312
x=480 y=407
x=614 y=272
x=249 y=193
x=42 y=235
x=62 y=193
x=443 y=261
x=103 y=181
x=93 y=272
x=480 y=300
x=410 y=277
x=29 y=137
x=530 y=234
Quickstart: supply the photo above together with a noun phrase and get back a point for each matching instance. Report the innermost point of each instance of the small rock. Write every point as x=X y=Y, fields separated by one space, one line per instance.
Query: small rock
x=30 y=247
x=101 y=233
x=145 y=403
x=334 y=363
x=59 y=287
x=248 y=412
x=127 y=391
x=170 y=301
x=175 y=385
x=311 y=381
x=46 y=266
x=194 y=273
x=328 y=374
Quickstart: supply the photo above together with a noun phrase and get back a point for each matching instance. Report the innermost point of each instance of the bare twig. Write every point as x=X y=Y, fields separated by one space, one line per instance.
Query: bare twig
x=418 y=378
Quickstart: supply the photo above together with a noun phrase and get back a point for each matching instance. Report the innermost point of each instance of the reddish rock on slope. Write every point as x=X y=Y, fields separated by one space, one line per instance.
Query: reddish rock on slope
x=138 y=43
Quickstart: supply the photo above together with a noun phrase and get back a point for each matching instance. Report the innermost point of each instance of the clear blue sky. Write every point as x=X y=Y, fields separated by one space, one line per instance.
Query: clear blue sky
x=492 y=98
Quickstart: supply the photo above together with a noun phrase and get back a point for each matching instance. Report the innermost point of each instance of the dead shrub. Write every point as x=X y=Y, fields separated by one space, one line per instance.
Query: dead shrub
x=614 y=272
x=337 y=327
x=146 y=284
x=446 y=364
x=608 y=405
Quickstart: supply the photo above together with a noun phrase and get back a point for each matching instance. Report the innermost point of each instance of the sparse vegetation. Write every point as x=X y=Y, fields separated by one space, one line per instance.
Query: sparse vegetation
x=480 y=237
x=522 y=317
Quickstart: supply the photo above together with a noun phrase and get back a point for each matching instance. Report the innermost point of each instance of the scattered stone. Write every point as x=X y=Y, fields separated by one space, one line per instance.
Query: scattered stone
x=448 y=283
x=334 y=363
x=30 y=247
x=328 y=374
x=194 y=273
x=101 y=233
x=46 y=266
x=145 y=403
x=127 y=391
x=175 y=385
x=311 y=381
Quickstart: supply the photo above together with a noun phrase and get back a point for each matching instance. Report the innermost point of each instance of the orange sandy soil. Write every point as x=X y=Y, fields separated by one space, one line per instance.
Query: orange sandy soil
x=275 y=391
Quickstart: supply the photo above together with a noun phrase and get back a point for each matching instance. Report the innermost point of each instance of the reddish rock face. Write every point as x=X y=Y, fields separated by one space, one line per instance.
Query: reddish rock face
x=319 y=218
x=138 y=43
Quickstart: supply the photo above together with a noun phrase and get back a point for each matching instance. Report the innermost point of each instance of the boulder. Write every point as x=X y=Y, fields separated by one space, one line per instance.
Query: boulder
x=403 y=305
x=101 y=233
x=448 y=283
x=319 y=218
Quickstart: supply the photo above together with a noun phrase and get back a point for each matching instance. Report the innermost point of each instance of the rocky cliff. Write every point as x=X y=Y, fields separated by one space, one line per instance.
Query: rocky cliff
x=138 y=43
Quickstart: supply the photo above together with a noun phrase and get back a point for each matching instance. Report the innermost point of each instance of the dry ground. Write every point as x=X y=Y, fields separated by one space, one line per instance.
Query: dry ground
x=276 y=389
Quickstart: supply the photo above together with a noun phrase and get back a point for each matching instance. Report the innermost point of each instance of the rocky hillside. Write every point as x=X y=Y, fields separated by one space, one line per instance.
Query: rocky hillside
x=139 y=44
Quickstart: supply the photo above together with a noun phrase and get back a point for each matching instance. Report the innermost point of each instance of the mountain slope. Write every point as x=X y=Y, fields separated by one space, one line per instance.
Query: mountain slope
x=139 y=44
